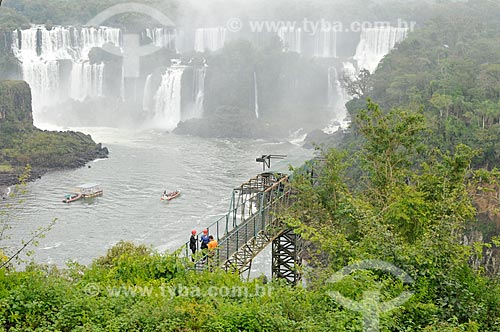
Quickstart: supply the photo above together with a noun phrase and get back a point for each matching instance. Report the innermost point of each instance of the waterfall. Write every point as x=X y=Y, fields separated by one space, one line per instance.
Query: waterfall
x=147 y=99
x=199 y=91
x=162 y=37
x=348 y=69
x=122 y=85
x=291 y=38
x=40 y=52
x=210 y=39
x=167 y=113
x=338 y=97
x=39 y=66
x=376 y=43
x=86 y=80
x=325 y=44
x=256 y=92
x=43 y=78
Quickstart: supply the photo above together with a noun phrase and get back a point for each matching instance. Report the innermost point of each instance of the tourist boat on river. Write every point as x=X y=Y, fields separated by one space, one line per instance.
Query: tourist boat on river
x=170 y=196
x=71 y=198
x=87 y=190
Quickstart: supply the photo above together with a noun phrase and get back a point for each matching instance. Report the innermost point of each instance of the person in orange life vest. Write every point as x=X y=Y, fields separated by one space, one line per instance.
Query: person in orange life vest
x=213 y=243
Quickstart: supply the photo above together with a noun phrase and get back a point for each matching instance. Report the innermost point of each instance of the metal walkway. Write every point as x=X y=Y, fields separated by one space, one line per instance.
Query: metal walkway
x=250 y=225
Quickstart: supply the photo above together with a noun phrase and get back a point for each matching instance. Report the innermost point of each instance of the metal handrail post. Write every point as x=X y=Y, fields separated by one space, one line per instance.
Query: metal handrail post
x=218 y=229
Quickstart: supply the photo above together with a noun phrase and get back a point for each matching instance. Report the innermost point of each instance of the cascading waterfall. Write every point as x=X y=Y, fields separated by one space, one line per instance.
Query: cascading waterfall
x=162 y=37
x=40 y=52
x=39 y=66
x=211 y=39
x=167 y=112
x=348 y=70
x=86 y=80
x=338 y=96
x=376 y=43
x=147 y=99
x=325 y=44
x=256 y=92
x=122 y=85
x=291 y=38
x=199 y=92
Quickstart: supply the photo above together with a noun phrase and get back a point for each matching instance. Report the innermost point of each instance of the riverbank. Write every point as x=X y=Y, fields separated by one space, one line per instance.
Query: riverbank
x=4 y=191
x=21 y=143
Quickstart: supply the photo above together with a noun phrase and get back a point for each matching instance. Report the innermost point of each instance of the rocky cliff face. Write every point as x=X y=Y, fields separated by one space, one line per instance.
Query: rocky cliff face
x=21 y=143
x=15 y=106
x=486 y=198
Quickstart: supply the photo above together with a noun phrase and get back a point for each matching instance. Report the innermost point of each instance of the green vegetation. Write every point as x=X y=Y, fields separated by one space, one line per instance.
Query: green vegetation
x=21 y=143
x=405 y=190
x=401 y=201
x=72 y=12
x=46 y=149
x=450 y=69
x=407 y=206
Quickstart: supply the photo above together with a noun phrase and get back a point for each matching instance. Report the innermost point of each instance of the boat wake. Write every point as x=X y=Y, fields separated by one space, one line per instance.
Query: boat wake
x=56 y=245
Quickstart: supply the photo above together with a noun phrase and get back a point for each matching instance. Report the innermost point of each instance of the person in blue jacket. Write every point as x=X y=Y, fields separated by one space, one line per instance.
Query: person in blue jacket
x=204 y=240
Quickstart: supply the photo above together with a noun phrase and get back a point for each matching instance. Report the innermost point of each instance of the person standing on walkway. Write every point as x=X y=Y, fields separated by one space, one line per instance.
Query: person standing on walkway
x=212 y=244
x=204 y=240
x=193 y=245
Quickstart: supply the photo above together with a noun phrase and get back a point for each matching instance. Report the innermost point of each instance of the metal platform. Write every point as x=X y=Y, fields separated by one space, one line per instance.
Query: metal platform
x=251 y=224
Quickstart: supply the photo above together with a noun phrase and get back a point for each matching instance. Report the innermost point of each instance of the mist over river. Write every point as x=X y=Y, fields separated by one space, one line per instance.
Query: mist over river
x=141 y=165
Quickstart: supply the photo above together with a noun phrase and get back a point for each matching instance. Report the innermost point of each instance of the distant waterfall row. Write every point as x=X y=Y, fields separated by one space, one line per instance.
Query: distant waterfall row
x=373 y=45
x=55 y=62
x=162 y=38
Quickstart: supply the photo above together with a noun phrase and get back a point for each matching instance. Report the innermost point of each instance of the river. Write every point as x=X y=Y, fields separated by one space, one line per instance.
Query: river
x=141 y=165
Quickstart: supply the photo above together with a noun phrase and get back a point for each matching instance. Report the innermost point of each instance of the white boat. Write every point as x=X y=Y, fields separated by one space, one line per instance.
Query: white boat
x=89 y=190
x=170 y=196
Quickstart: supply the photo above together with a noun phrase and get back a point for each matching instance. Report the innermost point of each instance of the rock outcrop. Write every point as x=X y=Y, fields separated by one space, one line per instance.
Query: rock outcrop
x=21 y=143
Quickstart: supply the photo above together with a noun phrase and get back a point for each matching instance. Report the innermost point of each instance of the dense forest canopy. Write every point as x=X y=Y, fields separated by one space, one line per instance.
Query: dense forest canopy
x=450 y=69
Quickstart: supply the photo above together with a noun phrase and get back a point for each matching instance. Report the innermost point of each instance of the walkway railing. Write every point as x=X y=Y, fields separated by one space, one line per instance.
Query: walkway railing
x=252 y=212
